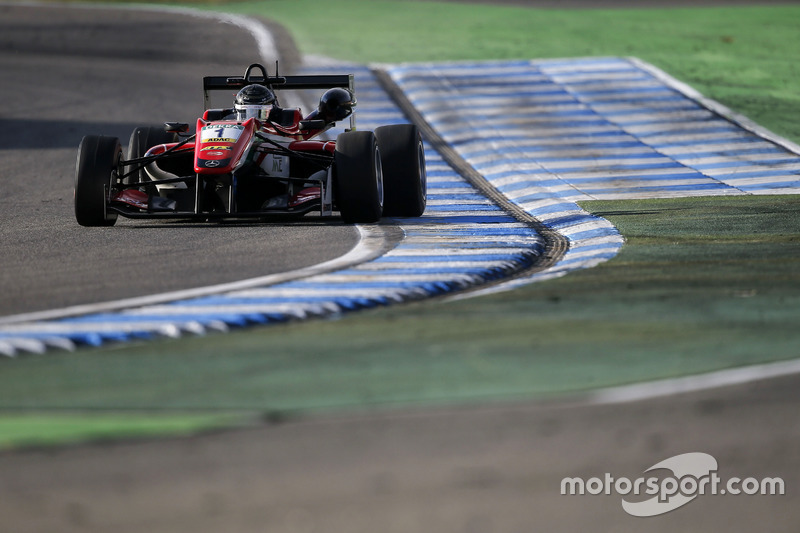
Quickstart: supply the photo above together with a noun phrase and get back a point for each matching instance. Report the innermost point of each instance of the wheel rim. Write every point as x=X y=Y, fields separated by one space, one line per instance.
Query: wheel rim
x=423 y=175
x=379 y=175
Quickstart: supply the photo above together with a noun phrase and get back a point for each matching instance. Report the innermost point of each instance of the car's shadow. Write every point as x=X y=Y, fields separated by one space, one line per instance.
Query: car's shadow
x=39 y=134
x=306 y=221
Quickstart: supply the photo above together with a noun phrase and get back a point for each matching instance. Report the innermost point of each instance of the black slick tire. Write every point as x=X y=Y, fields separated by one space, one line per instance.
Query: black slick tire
x=359 y=177
x=404 y=177
x=95 y=172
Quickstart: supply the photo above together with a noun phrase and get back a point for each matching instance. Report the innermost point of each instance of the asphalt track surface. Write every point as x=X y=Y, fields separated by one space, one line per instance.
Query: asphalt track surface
x=67 y=73
x=480 y=469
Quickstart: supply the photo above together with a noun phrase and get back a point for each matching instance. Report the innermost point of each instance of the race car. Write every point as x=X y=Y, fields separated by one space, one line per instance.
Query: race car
x=254 y=160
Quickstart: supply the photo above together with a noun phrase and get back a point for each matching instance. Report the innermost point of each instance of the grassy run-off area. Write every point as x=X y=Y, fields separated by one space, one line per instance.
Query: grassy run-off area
x=701 y=284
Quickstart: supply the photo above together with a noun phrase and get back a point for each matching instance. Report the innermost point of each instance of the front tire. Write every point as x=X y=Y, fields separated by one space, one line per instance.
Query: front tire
x=359 y=177
x=404 y=176
x=95 y=176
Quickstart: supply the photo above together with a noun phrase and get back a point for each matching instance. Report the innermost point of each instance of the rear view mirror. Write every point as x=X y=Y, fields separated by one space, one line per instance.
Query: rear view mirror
x=312 y=125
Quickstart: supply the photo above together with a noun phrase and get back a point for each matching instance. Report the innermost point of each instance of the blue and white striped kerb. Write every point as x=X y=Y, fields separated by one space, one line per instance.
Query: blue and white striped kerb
x=548 y=134
x=462 y=241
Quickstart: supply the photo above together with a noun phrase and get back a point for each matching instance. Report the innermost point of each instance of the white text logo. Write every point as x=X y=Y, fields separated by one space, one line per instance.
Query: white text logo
x=693 y=474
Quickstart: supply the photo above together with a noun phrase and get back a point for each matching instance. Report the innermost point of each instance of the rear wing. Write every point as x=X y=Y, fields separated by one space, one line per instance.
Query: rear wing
x=278 y=83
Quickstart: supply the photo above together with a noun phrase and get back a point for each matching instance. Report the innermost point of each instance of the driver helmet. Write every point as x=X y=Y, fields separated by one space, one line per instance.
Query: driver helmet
x=254 y=101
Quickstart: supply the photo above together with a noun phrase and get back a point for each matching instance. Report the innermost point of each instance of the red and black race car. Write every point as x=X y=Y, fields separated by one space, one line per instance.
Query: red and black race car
x=254 y=160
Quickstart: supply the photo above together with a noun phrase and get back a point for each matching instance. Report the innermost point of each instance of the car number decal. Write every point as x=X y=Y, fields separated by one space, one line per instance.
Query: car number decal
x=221 y=133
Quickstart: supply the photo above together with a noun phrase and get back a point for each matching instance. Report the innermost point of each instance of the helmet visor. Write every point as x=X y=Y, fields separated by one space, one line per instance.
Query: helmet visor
x=260 y=112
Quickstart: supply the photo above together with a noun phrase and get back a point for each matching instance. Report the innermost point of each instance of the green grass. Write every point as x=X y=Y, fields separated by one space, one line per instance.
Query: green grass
x=702 y=284
x=18 y=430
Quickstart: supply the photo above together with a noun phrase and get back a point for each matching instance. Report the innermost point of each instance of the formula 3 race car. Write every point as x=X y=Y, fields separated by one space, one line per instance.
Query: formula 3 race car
x=255 y=160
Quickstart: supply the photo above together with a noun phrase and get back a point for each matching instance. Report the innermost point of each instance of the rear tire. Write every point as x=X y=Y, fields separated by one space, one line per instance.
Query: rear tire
x=359 y=177
x=95 y=176
x=142 y=139
x=404 y=177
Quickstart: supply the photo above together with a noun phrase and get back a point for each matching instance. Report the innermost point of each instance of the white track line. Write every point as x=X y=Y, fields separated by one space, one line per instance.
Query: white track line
x=711 y=380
